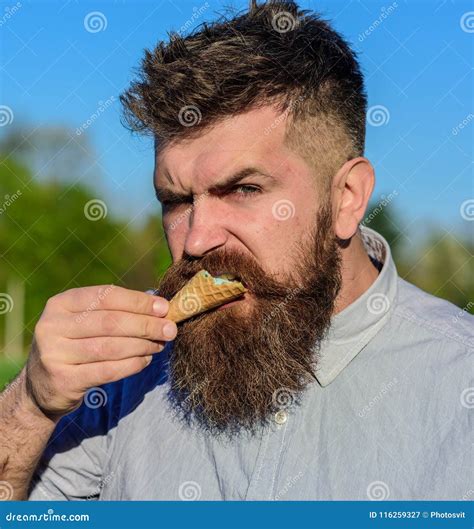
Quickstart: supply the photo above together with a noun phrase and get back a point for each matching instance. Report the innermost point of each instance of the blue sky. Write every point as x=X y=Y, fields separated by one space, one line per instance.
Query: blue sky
x=416 y=55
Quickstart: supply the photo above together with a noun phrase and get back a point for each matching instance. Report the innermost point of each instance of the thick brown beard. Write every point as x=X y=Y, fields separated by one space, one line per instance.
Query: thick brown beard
x=228 y=369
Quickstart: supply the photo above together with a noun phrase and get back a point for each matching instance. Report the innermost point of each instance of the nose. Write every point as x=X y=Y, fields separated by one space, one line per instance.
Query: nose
x=205 y=229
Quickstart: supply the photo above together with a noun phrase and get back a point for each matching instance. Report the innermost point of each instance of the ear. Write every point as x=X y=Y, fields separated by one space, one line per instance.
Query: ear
x=352 y=187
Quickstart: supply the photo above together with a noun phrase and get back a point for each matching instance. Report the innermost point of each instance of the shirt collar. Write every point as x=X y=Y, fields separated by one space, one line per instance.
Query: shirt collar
x=353 y=328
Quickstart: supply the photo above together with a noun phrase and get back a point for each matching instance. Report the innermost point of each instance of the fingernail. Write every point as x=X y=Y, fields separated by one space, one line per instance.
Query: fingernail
x=170 y=330
x=148 y=359
x=160 y=306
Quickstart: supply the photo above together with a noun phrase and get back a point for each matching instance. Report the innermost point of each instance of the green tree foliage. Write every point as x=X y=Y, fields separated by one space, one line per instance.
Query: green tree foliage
x=48 y=242
x=444 y=268
x=442 y=264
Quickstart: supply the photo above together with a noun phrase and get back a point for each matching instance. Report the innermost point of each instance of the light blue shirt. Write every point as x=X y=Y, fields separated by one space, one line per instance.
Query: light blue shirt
x=388 y=418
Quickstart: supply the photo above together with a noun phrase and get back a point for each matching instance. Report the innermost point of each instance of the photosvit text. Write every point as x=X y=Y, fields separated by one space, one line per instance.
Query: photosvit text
x=416 y=514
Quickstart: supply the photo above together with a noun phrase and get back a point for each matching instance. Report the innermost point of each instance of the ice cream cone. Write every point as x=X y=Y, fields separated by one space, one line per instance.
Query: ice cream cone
x=203 y=292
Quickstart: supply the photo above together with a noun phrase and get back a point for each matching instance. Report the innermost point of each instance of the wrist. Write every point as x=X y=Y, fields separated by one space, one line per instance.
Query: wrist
x=28 y=403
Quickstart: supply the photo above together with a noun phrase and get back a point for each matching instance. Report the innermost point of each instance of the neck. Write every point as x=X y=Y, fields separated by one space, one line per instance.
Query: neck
x=358 y=273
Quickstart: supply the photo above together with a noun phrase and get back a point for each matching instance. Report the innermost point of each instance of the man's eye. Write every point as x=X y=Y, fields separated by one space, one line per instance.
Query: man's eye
x=245 y=190
x=172 y=204
x=166 y=204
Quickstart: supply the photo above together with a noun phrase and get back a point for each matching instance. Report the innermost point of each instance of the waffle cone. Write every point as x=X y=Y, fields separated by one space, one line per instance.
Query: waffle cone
x=201 y=294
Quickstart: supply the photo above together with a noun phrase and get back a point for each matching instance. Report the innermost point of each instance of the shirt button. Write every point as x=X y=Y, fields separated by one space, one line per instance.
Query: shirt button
x=281 y=417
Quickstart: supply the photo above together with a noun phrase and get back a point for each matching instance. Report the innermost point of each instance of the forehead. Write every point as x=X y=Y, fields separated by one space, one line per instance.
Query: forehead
x=252 y=138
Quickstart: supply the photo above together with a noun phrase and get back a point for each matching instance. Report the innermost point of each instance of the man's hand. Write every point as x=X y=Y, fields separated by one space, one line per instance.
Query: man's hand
x=90 y=336
x=85 y=337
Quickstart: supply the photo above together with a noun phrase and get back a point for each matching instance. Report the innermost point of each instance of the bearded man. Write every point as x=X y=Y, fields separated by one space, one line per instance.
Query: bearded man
x=331 y=378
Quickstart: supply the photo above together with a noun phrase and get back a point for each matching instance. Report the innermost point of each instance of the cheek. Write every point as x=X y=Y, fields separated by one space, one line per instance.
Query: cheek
x=270 y=233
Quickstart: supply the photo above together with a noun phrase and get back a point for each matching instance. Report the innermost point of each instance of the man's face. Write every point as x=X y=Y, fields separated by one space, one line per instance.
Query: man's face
x=261 y=215
x=271 y=229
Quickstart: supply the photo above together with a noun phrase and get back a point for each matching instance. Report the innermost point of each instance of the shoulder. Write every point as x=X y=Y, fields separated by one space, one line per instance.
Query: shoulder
x=429 y=341
x=425 y=352
x=433 y=319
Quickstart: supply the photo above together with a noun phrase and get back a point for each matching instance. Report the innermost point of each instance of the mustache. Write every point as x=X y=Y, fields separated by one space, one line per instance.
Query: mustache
x=243 y=267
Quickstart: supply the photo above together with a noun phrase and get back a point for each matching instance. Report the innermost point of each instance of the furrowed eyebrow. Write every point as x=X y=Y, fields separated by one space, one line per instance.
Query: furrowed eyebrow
x=236 y=178
x=167 y=195
x=164 y=194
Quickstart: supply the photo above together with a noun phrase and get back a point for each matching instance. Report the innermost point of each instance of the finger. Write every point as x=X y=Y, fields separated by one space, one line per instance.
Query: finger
x=111 y=297
x=104 y=348
x=117 y=323
x=99 y=373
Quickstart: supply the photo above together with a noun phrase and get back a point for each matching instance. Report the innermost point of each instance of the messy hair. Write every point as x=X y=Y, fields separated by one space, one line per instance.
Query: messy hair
x=273 y=54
